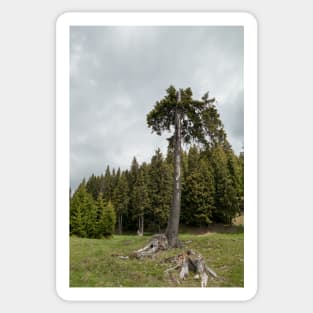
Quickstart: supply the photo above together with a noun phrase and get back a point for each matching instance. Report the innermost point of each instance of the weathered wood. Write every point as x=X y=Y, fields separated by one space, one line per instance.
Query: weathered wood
x=157 y=243
x=186 y=262
x=191 y=262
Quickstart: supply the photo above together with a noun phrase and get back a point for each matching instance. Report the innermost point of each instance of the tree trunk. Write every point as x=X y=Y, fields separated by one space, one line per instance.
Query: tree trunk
x=140 y=225
x=142 y=221
x=120 y=224
x=173 y=221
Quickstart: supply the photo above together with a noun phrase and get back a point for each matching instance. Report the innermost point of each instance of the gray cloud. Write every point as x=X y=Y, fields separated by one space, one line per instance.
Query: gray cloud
x=117 y=74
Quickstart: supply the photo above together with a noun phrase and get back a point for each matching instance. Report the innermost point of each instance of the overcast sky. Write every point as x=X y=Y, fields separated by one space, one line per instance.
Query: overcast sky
x=118 y=73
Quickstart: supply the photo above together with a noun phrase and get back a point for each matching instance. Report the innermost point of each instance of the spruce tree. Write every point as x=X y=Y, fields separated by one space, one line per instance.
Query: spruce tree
x=193 y=159
x=121 y=200
x=226 y=192
x=76 y=219
x=132 y=177
x=100 y=208
x=198 y=196
x=107 y=185
x=107 y=221
x=191 y=120
x=140 y=201
x=160 y=190
x=93 y=186
x=82 y=213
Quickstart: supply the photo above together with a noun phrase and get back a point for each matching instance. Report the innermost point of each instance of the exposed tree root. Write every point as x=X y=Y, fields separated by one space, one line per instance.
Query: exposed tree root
x=158 y=242
x=188 y=262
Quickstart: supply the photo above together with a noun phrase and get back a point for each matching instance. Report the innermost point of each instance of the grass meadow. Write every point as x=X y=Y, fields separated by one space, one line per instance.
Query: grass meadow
x=95 y=262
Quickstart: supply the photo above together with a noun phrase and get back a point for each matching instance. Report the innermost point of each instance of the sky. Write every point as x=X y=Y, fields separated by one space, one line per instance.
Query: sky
x=118 y=73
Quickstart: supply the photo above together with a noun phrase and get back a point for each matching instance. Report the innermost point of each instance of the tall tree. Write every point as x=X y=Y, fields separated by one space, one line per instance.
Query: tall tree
x=121 y=200
x=140 y=200
x=198 y=196
x=132 y=178
x=107 y=185
x=226 y=192
x=100 y=208
x=191 y=120
x=160 y=190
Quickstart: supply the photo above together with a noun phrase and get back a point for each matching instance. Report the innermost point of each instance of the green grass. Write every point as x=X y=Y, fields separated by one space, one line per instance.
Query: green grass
x=92 y=263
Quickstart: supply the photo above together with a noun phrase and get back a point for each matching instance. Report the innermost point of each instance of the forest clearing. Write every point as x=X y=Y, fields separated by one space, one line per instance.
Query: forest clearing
x=109 y=262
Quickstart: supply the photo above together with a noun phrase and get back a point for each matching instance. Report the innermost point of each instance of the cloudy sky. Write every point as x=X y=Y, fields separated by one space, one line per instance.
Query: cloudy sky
x=118 y=73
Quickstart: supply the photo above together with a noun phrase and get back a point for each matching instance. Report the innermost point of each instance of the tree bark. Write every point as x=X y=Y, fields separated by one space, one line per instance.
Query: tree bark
x=140 y=225
x=173 y=221
x=120 y=224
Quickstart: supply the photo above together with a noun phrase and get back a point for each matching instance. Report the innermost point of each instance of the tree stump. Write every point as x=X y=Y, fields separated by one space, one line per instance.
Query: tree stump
x=187 y=262
x=157 y=243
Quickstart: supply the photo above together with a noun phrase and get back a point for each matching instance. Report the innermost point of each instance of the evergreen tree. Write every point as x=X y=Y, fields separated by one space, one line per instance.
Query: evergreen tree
x=82 y=213
x=140 y=201
x=100 y=208
x=160 y=190
x=93 y=186
x=198 y=196
x=76 y=219
x=132 y=178
x=116 y=179
x=107 y=221
x=193 y=160
x=192 y=121
x=133 y=171
x=121 y=200
x=107 y=185
x=226 y=193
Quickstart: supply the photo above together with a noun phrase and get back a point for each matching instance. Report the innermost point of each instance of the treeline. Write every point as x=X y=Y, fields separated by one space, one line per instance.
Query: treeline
x=139 y=199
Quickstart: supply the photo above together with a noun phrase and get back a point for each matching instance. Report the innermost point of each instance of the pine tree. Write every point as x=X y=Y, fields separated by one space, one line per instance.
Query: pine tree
x=132 y=177
x=198 y=196
x=192 y=121
x=82 y=213
x=121 y=200
x=100 y=208
x=93 y=186
x=226 y=192
x=76 y=219
x=107 y=185
x=133 y=173
x=116 y=179
x=193 y=159
x=107 y=221
x=140 y=201
x=160 y=190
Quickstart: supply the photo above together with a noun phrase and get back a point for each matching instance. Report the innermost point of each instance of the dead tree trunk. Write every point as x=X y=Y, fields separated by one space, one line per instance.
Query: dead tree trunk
x=173 y=221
